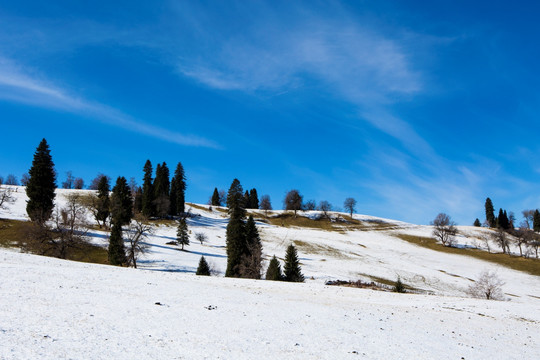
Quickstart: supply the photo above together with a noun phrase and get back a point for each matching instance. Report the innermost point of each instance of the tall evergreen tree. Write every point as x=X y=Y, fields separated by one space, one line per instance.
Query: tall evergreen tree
x=161 y=190
x=293 y=271
x=250 y=266
x=536 y=221
x=204 y=268
x=180 y=179
x=236 y=237
x=253 y=199
x=104 y=203
x=41 y=185
x=216 y=200
x=490 y=213
x=117 y=252
x=274 y=270
x=182 y=236
x=121 y=202
x=147 y=190
x=502 y=220
x=173 y=209
x=247 y=204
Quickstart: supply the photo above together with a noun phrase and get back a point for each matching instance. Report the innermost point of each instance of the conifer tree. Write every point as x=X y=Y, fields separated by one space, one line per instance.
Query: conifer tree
x=502 y=220
x=490 y=213
x=250 y=266
x=536 y=221
x=203 y=268
x=274 y=270
x=182 y=236
x=236 y=238
x=216 y=201
x=292 y=271
x=253 y=199
x=161 y=190
x=173 y=209
x=247 y=204
x=41 y=185
x=104 y=203
x=180 y=179
x=477 y=223
x=147 y=190
x=121 y=202
x=117 y=252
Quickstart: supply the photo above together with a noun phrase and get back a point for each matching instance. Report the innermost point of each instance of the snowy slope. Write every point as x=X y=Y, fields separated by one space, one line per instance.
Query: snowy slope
x=54 y=309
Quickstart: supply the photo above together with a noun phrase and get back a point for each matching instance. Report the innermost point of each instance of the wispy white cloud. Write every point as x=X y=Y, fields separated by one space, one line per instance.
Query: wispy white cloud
x=19 y=85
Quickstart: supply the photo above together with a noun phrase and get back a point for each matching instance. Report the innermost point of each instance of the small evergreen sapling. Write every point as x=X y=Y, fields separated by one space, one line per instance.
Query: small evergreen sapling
x=293 y=272
x=274 y=270
x=399 y=287
x=203 y=268
x=182 y=236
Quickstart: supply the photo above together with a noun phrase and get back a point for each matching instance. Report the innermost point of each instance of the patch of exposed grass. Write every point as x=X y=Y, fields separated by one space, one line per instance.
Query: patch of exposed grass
x=318 y=249
x=528 y=265
x=13 y=234
x=200 y=207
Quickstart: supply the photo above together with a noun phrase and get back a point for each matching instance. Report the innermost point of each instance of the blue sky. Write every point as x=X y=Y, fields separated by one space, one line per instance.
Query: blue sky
x=412 y=108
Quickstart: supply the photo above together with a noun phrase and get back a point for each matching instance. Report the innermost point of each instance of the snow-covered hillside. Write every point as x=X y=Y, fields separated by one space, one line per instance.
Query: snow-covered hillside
x=54 y=309
x=51 y=308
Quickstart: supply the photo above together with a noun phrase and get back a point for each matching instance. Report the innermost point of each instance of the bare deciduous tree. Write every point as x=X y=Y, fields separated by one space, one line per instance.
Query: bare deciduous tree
x=78 y=183
x=265 y=204
x=11 y=180
x=488 y=286
x=444 y=229
x=222 y=197
x=24 y=179
x=68 y=184
x=6 y=196
x=349 y=205
x=528 y=216
x=310 y=205
x=137 y=231
x=501 y=238
x=201 y=237
x=325 y=207
x=94 y=185
x=293 y=201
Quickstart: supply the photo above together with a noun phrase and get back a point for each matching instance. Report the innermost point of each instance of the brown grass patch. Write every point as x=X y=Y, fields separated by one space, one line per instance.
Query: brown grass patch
x=528 y=265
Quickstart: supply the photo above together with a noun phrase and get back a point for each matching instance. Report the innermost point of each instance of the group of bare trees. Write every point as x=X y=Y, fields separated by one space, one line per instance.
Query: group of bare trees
x=294 y=201
x=71 y=182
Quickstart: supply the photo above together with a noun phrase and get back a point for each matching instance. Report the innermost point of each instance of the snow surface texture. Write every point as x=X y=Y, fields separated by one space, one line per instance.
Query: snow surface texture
x=54 y=309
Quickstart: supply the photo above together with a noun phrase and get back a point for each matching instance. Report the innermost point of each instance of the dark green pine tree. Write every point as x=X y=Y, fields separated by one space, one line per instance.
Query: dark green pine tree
x=180 y=180
x=121 y=202
x=104 y=202
x=250 y=266
x=203 y=268
x=161 y=190
x=182 y=236
x=147 y=190
x=502 y=220
x=477 y=223
x=490 y=213
x=399 y=287
x=292 y=268
x=117 y=252
x=173 y=210
x=216 y=201
x=236 y=237
x=274 y=270
x=41 y=185
x=253 y=199
x=246 y=200
x=536 y=221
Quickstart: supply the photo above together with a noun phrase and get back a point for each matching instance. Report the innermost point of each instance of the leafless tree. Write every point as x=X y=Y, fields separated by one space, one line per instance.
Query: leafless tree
x=501 y=238
x=201 y=237
x=444 y=229
x=12 y=180
x=310 y=205
x=78 y=183
x=522 y=237
x=534 y=243
x=68 y=184
x=293 y=201
x=132 y=186
x=222 y=197
x=94 y=185
x=265 y=204
x=24 y=179
x=251 y=264
x=349 y=205
x=6 y=196
x=137 y=231
x=488 y=286
x=325 y=207
x=486 y=239
x=528 y=216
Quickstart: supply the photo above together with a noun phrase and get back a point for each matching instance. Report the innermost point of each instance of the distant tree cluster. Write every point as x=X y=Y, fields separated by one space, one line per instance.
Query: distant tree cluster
x=162 y=196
